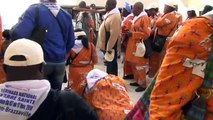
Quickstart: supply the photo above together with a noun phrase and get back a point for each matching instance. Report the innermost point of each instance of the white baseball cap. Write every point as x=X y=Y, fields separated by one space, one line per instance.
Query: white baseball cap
x=171 y=4
x=31 y=50
x=109 y=56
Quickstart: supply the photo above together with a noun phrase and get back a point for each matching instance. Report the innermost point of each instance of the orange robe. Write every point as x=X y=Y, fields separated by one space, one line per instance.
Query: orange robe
x=175 y=84
x=80 y=67
x=164 y=24
x=109 y=98
x=125 y=27
x=140 y=31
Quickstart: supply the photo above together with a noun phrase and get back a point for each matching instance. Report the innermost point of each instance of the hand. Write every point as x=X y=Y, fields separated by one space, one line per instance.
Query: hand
x=109 y=52
x=129 y=34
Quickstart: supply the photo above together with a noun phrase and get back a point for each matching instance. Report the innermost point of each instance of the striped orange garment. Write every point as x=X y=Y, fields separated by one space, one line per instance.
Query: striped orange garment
x=126 y=26
x=110 y=99
x=79 y=71
x=175 y=84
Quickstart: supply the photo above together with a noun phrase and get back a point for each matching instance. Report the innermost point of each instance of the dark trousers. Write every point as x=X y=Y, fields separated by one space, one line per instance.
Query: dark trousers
x=54 y=72
x=112 y=67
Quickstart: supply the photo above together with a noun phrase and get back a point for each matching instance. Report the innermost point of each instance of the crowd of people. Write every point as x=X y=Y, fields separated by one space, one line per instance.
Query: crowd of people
x=176 y=54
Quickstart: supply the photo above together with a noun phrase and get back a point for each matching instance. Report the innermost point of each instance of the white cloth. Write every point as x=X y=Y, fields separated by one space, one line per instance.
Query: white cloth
x=139 y=16
x=94 y=76
x=19 y=100
x=78 y=46
x=113 y=11
x=197 y=65
x=53 y=7
x=130 y=15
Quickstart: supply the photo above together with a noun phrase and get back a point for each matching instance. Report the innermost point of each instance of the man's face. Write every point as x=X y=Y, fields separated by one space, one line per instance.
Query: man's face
x=136 y=11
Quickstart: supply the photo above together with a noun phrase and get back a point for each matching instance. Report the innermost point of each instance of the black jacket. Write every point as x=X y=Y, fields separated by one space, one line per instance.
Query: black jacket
x=64 y=105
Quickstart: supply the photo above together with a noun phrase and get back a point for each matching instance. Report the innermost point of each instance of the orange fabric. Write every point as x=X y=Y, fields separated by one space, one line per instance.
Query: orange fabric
x=154 y=63
x=127 y=68
x=79 y=71
x=2 y=73
x=126 y=26
x=175 y=84
x=109 y=98
x=166 y=23
x=1 y=29
x=156 y=59
x=180 y=19
x=140 y=31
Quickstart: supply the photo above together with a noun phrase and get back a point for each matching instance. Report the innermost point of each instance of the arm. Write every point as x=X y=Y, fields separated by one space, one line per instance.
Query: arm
x=70 y=37
x=115 y=27
x=163 y=20
x=25 y=25
x=144 y=33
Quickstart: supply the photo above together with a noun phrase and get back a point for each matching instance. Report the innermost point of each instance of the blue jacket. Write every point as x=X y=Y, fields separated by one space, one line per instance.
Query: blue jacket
x=55 y=45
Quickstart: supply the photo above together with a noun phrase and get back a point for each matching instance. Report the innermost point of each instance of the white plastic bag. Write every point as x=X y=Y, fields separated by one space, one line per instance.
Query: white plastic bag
x=140 y=49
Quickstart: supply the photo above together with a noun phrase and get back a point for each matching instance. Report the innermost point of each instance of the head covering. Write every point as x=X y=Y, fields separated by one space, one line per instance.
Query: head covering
x=109 y=56
x=31 y=50
x=128 y=7
x=171 y=4
x=94 y=76
x=153 y=5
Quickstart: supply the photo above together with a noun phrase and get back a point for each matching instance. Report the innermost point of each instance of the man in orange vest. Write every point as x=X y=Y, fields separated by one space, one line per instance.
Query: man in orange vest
x=139 y=32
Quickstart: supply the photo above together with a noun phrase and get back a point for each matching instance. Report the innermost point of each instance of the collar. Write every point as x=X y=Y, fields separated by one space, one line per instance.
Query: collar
x=139 y=16
x=113 y=11
x=130 y=15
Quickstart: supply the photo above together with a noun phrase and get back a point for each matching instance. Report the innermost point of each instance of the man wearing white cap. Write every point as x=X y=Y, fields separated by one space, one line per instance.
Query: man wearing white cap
x=27 y=96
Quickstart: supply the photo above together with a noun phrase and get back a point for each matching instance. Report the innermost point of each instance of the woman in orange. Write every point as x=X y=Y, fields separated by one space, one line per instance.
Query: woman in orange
x=82 y=58
x=125 y=27
x=181 y=75
x=108 y=95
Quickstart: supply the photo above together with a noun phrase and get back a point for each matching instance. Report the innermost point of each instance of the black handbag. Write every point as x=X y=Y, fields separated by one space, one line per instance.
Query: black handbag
x=158 y=43
x=160 y=40
x=38 y=33
x=148 y=46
